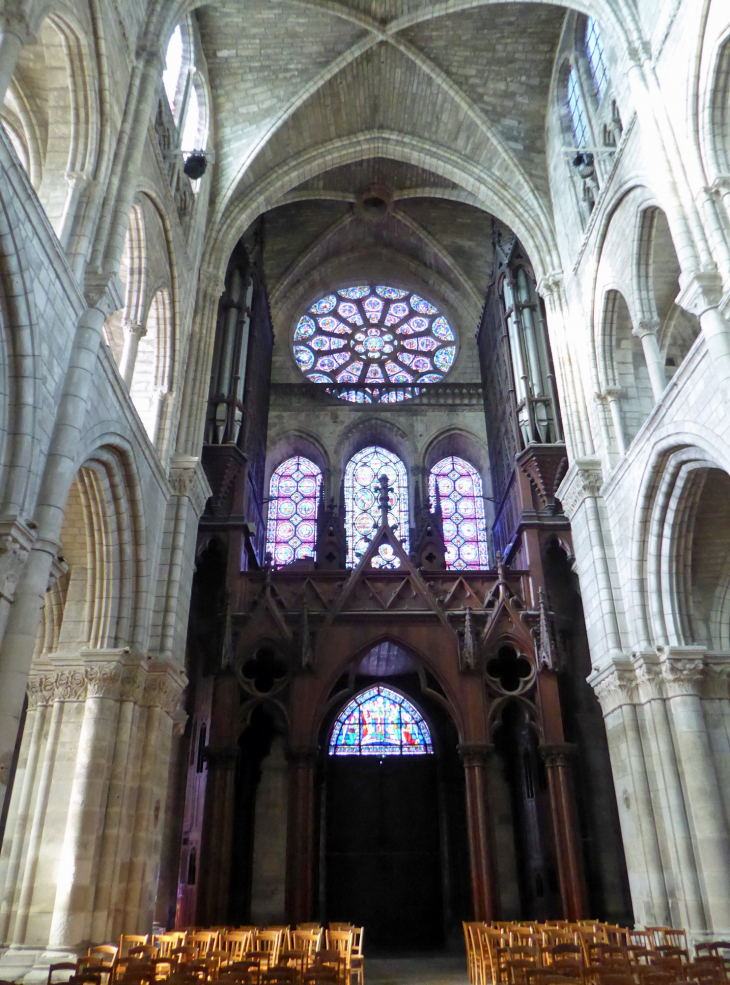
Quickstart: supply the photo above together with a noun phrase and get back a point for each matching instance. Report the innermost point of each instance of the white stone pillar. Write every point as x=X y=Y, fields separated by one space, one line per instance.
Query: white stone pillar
x=684 y=673
x=77 y=868
x=133 y=334
x=104 y=297
x=616 y=690
x=646 y=331
x=15 y=32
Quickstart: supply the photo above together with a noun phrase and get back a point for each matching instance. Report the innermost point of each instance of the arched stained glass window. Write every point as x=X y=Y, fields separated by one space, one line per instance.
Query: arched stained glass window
x=596 y=58
x=577 y=110
x=380 y=722
x=362 y=509
x=375 y=335
x=459 y=488
x=292 y=527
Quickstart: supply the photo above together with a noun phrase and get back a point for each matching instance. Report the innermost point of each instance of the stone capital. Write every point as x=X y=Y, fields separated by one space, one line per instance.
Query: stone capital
x=16 y=540
x=615 y=686
x=647 y=326
x=104 y=292
x=14 y=21
x=584 y=478
x=683 y=670
x=612 y=393
x=41 y=689
x=699 y=292
x=133 y=327
x=188 y=478
x=550 y=284
x=164 y=685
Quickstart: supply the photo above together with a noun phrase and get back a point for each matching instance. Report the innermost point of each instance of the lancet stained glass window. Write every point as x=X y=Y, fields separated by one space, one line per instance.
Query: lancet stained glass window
x=382 y=335
x=362 y=507
x=596 y=59
x=577 y=110
x=459 y=489
x=380 y=722
x=292 y=526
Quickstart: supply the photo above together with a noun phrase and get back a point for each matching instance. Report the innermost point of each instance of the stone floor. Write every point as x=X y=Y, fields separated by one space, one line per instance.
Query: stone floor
x=420 y=969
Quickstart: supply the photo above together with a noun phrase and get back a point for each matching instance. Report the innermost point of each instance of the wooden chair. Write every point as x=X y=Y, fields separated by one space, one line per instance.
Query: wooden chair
x=546 y=976
x=61 y=966
x=280 y=976
x=341 y=940
x=204 y=941
x=329 y=960
x=309 y=926
x=127 y=941
x=357 y=958
x=267 y=944
x=232 y=946
x=470 y=928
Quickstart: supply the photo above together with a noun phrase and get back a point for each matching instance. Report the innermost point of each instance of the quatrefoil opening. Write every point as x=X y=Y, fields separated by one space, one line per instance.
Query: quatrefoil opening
x=509 y=669
x=264 y=670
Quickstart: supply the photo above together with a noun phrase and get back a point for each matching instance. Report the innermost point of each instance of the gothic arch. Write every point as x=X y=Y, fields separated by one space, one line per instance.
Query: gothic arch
x=462 y=443
x=373 y=431
x=291 y=443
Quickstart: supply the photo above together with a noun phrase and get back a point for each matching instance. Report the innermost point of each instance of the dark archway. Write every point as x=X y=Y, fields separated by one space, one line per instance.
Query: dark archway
x=393 y=850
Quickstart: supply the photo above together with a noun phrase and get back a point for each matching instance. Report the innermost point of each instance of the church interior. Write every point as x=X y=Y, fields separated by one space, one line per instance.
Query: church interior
x=365 y=480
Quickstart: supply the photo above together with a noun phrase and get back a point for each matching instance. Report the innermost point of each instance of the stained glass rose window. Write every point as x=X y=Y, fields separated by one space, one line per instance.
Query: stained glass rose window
x=371 y=336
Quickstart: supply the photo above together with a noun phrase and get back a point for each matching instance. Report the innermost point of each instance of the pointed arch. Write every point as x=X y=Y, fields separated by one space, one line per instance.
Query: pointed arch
x=380 y=722
x=362 y=509
x=294 y=491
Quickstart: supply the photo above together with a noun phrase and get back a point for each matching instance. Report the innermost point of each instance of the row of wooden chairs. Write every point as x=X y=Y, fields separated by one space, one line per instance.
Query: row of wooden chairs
x=240 y=956
x=601 y=954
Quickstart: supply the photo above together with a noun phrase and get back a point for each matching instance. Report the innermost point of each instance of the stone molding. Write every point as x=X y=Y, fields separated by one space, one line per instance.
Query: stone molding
x=647 y=326
x=583 y=478
x=615 y=686
x=188 y=478
x=104 y=291
x=111 y=674
x=475 y=753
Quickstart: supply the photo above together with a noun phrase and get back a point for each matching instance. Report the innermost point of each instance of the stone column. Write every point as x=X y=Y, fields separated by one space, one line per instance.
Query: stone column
x=479 y=831
x=565 y=827
x=684 y=674
x=104 y=297
x=646 y=331
x=15 y=32
x=134 y=332
x=301 y=851
x=217 y=848
x=612 y=395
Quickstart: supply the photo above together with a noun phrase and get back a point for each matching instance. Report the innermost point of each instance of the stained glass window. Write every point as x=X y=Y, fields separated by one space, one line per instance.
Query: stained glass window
x=577 y=110
x=384 y=335
x=596 y=59
x=362 y=507
x=460 y=495
x=292 y=526
x=173 y=65
x=380 y=722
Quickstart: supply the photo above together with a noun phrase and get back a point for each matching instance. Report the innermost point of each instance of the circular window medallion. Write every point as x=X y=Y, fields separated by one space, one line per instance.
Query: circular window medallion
x=374 y=337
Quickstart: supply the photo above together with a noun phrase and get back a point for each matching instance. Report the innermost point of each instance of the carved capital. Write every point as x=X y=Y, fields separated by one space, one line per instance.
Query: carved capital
x=550 y=287
x=104 y=292
x=647 y=326
x=132 y=684
x=132 y=327
x=683 y=671
x=103 y=680
x=163 y=686
x=41 y=689
x=188 y=478
x=717 y=678
x=699 y=292
x=16 y=541
x=583 y=478
x=70 y=685
x=14 y=21
x=614 y=687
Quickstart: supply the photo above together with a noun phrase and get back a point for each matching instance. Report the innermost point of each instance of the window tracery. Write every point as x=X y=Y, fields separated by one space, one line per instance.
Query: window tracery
x=362 y=509
x=375 y=335
x=458 y=486
x=380 y=722
x=291 y=529
x=577 y=109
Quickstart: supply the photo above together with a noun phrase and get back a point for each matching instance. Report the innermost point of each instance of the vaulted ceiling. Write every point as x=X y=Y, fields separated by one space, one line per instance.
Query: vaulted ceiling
x=443 y=103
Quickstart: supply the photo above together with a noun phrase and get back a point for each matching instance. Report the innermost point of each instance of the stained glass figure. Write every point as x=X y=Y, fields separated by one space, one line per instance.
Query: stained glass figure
x=380 y=722
x=292 y=524
x=381 y=326
x=362 y=511
x=459 y=489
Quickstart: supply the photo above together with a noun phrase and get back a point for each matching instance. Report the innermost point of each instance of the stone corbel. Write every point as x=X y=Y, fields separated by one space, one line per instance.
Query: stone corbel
x=584 y=478
x=163 y=687
x=16 y=541
x=550 y=288
x=188 y=478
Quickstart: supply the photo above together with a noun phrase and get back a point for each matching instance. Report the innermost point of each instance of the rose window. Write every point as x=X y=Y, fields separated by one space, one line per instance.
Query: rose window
x=373 y=337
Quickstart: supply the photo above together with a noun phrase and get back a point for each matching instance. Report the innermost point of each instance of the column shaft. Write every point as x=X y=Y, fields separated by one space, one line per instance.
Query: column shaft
x=567 y=835
x=300 y=836
x=483 y=883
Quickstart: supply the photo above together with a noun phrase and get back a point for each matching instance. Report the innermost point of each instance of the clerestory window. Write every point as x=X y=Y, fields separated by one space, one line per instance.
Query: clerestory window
x=577 y=109
x=362 y=505
x=596 y=58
